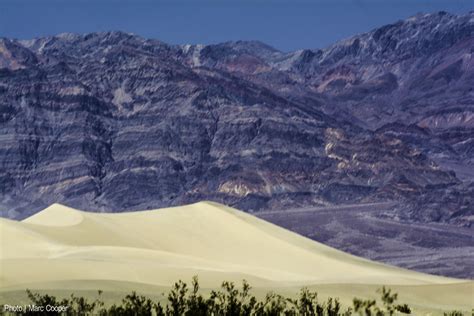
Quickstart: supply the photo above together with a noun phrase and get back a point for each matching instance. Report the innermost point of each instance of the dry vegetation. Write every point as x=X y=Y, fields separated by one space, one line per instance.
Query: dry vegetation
x=228 y=301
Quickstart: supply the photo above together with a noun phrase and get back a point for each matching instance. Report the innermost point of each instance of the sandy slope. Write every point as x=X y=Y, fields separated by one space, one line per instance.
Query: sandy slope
x=61 y=245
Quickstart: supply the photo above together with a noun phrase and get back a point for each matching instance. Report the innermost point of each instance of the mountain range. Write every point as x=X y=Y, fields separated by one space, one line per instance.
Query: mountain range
x=115 y=122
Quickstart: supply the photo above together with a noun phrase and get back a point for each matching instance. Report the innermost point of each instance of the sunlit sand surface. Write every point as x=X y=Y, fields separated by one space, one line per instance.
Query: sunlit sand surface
x=62 y=249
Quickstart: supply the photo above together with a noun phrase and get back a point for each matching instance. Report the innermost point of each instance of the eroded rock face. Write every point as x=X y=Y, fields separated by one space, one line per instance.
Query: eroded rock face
x=112 y=121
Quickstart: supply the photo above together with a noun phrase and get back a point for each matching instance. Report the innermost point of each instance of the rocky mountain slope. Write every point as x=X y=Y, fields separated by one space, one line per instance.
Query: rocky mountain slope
x=112 y=121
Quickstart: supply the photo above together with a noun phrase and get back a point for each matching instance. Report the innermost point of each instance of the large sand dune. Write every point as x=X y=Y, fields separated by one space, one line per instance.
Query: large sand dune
x=62 y=248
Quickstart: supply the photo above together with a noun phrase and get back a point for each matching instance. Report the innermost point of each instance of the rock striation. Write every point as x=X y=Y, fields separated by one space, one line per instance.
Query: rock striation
x=115 y=122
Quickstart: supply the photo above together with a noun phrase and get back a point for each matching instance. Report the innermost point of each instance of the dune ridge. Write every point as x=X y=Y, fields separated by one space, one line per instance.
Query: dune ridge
x=158 y=247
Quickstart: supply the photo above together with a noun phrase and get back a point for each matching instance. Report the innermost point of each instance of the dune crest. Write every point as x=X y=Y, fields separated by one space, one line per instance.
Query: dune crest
x=56 y=215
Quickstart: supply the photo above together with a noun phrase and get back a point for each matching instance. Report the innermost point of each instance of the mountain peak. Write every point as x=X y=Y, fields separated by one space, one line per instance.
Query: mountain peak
x=13 y=55
x=252 y=46
x=421 y=34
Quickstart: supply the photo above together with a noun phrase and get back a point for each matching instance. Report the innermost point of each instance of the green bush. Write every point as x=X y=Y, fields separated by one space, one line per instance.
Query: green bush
x=132 y=304
x=228 y=301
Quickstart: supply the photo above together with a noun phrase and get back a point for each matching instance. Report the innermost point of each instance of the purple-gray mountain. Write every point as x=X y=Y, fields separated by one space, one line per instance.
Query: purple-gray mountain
x=114 y=122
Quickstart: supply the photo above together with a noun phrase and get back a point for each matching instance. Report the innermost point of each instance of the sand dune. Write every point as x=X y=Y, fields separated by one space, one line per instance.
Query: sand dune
x=61 y=245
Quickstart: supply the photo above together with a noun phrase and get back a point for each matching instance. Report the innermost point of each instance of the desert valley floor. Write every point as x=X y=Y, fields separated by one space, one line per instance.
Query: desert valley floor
x=370 y=230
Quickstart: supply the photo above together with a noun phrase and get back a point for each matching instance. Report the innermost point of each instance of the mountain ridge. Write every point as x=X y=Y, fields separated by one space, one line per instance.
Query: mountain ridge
x=113 y=121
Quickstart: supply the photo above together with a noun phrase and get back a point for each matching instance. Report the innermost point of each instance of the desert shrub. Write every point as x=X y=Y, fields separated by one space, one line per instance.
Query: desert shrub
x=196 y=305
x=307 y=303
x=333 y=307
x=79 y=306
x=275 y=305
x=405 y=309
x=454 y=313
x=389 y=308
x=177 y=299
x=229 y=300
x=132 y=304
x=388 y=300
x=366 y=307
